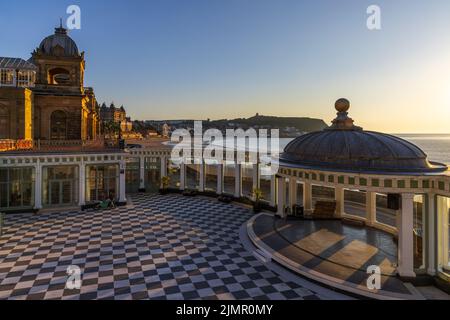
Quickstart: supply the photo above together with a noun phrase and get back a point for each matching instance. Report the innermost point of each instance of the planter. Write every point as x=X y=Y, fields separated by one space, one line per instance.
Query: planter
x=225 y=199
x=257 y=207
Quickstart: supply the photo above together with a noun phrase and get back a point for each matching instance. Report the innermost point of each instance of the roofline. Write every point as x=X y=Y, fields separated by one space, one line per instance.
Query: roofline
x=439 y=168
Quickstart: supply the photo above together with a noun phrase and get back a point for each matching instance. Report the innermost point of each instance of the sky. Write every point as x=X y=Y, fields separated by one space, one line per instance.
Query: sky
x=198 y=59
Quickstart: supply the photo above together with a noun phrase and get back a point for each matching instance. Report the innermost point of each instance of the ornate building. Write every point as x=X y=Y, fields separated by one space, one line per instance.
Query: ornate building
x=116 y=115
x=49 y=91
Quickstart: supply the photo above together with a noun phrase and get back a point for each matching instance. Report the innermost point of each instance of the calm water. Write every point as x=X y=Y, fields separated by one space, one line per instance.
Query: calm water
x=437 y=146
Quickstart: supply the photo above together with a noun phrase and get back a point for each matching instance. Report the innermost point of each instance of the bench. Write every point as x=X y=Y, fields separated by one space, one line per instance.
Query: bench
x=324 y=210
x=225 y=199
x=90 y=205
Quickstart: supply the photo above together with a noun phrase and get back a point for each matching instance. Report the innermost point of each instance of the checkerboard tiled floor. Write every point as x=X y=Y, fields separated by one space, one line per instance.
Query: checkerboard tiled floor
x=160 y=247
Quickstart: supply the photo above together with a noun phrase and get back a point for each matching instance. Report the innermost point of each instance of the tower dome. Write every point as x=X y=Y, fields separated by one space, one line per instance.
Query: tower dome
x=59 y=44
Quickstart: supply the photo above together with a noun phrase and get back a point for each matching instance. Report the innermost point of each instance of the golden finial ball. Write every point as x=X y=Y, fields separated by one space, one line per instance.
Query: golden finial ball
x=342 y=105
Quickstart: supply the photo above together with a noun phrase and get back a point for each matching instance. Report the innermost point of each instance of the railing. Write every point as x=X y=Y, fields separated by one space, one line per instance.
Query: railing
x=58 y=145
x=12 y=145
x=81 y=145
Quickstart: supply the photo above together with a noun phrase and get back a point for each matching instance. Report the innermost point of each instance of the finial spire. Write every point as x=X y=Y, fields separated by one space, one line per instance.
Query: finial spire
x=343 y=121
x=60 y=29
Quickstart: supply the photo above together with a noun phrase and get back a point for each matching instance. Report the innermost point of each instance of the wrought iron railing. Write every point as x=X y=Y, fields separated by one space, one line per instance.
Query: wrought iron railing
x=59 y=145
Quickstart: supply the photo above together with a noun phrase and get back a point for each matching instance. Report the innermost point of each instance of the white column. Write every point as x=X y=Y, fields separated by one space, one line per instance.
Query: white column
x=443 y=234
x=142 y=173
x=405 y=237
x=182 y=176
x=38 y=187
x=82 y=184
x=292 y=192
x=371 y=208
x=431 y=232
x=281 y=195
x=339 y=197
x=220 y=170
x=238 y=180
x=122 y=184
x=202 y=176
x=273 y=190
x=307 y=197
x=255 y=177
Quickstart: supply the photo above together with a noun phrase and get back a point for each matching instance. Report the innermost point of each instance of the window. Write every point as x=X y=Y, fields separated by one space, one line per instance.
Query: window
x=229 y=177
x=7 y=77
x=58 y=126
x=60 y=185
x=132 y=178
x=193 y=176
x=16 y=188
x=385 y=215
x=211 y=168
x=102 y=182
x=152 y=174
x=58 y=76
x=247 y=180
x=174 y=174
x=4 y=123
x=355 y=203
x=265 y=182
x=26 y=78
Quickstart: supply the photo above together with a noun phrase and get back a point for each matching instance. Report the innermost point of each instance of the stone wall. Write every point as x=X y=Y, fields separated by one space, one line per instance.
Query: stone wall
x=19 y=103
x=71 y=106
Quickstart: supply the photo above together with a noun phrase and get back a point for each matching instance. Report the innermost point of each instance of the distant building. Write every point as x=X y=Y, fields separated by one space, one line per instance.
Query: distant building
x=152 y=133
x=112 y=113
x=117 y=115
x=165 y=130
x=126 y=125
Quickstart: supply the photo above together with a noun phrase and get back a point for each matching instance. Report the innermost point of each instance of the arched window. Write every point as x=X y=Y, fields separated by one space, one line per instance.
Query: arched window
x=58 y=76
x=4 y=123
x=58 y=126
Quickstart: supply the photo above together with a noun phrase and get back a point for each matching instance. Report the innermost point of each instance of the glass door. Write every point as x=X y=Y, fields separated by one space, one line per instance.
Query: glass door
x=60 y=186
x=443 y=234
x=66 y=192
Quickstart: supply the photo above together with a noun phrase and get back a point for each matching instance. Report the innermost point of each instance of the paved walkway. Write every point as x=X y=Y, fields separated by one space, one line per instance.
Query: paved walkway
x=157 y=247
x=332 y=253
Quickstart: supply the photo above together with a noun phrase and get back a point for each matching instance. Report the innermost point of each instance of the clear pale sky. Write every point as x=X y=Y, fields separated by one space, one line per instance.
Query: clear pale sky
x=169 y=59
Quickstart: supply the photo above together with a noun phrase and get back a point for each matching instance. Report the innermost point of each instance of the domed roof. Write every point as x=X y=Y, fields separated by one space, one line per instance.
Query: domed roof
x=346 y=147
x=59 y=44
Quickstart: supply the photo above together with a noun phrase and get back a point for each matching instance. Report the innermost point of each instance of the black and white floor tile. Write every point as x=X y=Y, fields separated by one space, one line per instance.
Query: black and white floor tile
x=158 y=247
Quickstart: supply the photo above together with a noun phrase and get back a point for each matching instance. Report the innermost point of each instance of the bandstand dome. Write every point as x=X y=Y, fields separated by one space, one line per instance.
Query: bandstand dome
x=346 y=147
